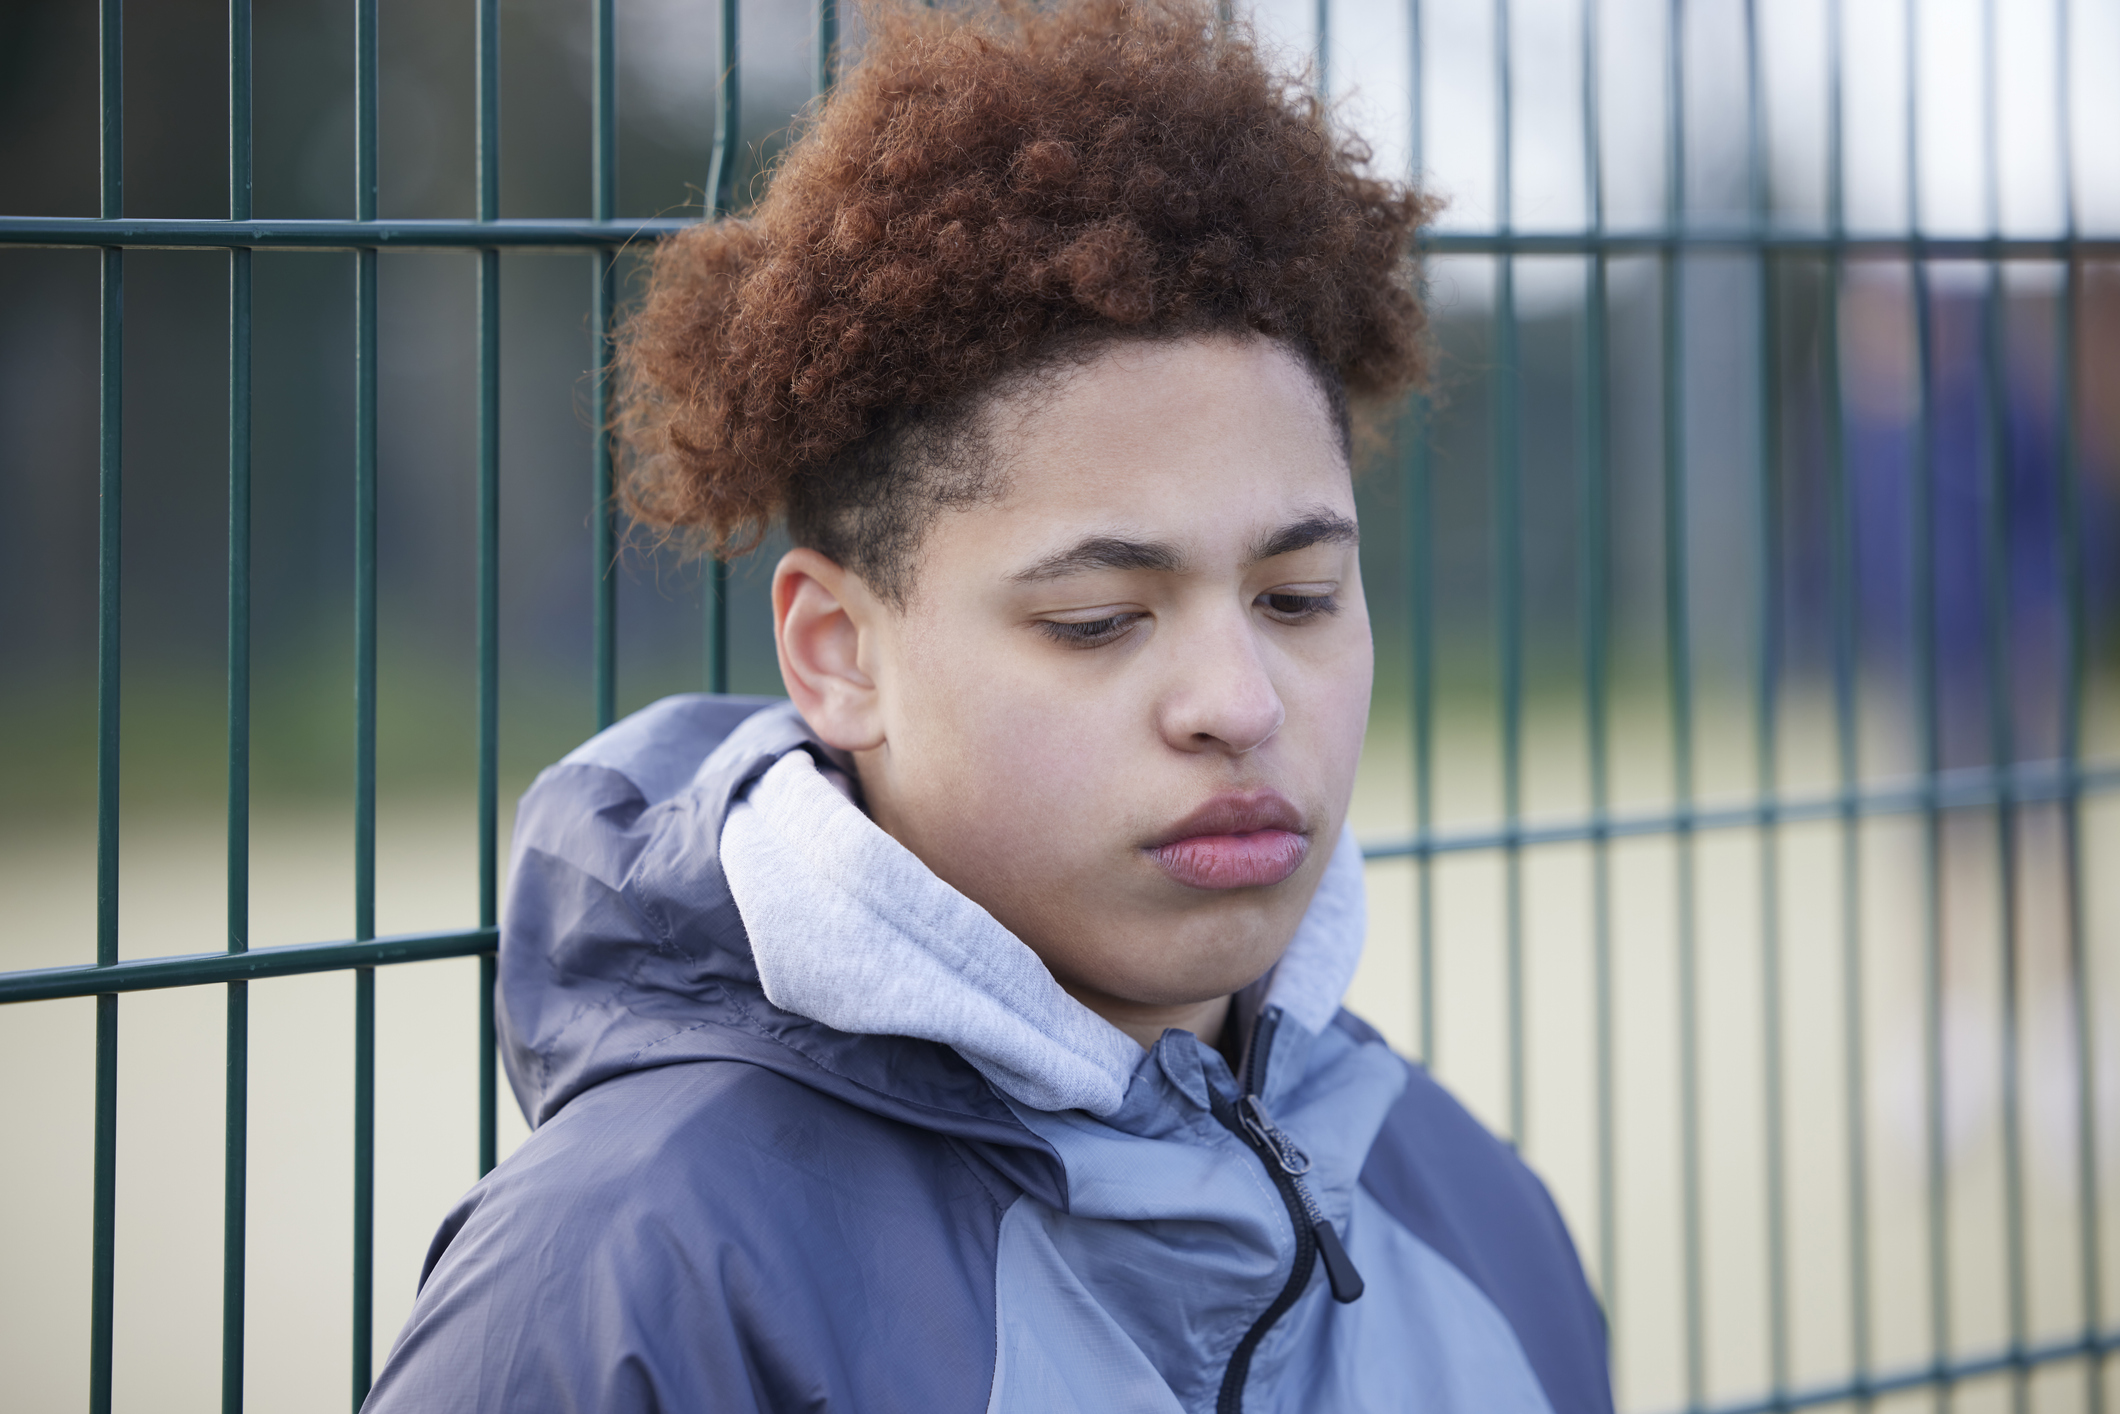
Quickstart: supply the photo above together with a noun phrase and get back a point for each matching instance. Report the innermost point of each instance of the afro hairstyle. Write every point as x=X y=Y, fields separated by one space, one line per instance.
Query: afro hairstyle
x=989 y=190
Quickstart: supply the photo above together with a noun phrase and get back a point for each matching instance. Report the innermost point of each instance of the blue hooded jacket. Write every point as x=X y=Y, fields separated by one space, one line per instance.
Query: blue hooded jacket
x=726 y=1204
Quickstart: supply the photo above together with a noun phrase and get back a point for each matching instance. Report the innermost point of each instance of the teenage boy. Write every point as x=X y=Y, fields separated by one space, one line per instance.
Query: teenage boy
x=964 y=1033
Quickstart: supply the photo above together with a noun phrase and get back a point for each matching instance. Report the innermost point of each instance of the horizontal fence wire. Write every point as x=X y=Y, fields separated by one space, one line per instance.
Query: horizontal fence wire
x=1939 y=1375
x=1967 y=788
x=43 y=984
x=521 y=233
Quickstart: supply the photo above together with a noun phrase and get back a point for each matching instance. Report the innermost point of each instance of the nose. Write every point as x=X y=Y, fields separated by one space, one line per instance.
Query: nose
x=1220 y=696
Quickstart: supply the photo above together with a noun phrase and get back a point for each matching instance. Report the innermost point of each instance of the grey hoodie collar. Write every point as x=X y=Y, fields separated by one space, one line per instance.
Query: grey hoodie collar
x=849 y=928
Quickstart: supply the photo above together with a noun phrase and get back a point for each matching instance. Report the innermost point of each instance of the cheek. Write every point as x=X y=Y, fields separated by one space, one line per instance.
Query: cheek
x=1327 y=691
x=1005 y=762
x=1351 y=699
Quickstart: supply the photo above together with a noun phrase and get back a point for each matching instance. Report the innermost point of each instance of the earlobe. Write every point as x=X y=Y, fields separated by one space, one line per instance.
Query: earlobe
x=821 y=614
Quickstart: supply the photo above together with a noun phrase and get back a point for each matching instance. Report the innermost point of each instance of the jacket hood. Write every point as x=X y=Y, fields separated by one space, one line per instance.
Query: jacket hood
x=848 y=927
x=625 y=945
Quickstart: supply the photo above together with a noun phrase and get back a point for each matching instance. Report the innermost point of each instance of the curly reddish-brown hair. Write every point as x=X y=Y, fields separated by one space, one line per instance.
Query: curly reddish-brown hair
x=986 y=191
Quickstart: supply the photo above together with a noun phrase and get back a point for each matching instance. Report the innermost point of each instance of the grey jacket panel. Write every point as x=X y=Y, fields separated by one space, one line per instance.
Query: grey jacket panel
x=1466 y=1195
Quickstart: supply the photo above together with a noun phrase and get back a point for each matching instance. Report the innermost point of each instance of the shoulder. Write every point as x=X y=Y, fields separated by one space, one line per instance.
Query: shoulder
x=1467 y=1195
x=643 y=1140
x=710 y=1235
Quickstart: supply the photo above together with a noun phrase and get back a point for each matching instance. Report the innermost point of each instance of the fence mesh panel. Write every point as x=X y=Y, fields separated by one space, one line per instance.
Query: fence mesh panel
x=1745 y=589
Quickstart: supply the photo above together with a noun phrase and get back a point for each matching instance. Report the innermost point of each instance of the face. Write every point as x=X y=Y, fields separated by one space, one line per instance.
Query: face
x=1123 y=705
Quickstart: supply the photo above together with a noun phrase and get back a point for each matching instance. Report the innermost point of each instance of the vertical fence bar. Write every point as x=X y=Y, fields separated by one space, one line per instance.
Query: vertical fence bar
x=1997 y=606
x=1420 y=589
x=364 y=847
x=1767 y=633
x=236 y=1137
x=1321 y=27
x=365 y=94
x=2068 y=531
x=1766 y=758
x=1930 y=738
x=1678 y=649
x=1509 y=569
x=827 y=44
x=110 y=485
x=1420 y=570
x=1595 y=567
x=364 y=677
x=1997 y=523
x=717 y=625
x=603 y=297
x=489 y=548
x=1922 y=505
x=721 y=200
x=363 y=1182
x=1846 y=646
x=365 y=78
x=728 y=117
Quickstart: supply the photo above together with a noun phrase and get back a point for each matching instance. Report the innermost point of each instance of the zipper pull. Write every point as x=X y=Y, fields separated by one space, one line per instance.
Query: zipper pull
x=1339 y=1267
x=1293 y=1161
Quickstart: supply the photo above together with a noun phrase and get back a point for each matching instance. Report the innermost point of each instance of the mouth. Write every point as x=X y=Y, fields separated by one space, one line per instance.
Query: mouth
x=1248 y=841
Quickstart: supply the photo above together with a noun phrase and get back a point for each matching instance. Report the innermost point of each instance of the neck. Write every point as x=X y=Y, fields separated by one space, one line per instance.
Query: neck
x=1146 y=1022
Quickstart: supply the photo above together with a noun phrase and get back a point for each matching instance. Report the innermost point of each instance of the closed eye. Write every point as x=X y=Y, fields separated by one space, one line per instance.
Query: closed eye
x=1088 y=633
x=1297 y=608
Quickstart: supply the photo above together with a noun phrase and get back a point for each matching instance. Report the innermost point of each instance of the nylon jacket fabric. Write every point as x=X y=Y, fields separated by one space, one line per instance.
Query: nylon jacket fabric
x=725 y=1205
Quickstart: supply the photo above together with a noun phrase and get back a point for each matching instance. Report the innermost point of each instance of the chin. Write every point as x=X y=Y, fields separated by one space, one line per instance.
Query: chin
x=1198 y=979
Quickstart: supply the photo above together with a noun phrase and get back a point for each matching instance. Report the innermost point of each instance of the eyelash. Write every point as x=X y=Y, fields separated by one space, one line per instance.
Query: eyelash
x=1094 y=633
x=1296 y=608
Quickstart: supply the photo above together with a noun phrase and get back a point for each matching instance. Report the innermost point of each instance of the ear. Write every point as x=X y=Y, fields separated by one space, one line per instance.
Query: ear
x=824 y=626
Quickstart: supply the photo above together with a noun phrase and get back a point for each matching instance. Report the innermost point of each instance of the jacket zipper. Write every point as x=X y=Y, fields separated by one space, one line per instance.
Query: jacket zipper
x=1286 y=1164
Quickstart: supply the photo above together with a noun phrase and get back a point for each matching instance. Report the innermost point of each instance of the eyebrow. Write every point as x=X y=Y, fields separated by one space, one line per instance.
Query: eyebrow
x=1317 y=528
x=1116 y=552
x=1103 y=552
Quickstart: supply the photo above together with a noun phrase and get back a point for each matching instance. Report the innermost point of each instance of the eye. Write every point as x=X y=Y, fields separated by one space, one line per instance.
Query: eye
x=1291 y=607
x=1088 y=633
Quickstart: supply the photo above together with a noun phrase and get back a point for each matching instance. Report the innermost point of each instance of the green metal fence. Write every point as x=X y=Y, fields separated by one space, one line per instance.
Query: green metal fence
x=1999 y=787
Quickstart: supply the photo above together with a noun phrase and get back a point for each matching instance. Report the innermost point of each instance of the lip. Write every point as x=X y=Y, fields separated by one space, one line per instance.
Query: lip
x=1235 y=841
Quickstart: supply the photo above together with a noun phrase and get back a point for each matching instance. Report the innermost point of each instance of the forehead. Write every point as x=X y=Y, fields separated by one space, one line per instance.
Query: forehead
x=1203 y=441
